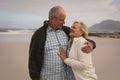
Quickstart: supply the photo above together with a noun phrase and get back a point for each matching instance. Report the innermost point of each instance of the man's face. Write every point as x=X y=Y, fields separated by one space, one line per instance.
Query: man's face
x=59 y=21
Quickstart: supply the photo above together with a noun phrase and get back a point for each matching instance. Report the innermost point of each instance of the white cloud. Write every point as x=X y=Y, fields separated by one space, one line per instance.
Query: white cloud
x=89 y=11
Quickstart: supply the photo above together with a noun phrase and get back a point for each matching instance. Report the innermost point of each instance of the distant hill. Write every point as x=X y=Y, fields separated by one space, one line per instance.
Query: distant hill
x=106 y=26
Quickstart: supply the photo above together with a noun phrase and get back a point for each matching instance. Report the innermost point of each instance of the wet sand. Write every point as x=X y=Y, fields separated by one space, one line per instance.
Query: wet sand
x=14 y=59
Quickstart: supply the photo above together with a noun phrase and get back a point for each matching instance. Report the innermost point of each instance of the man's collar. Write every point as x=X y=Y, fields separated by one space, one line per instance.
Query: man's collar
x=51 y=29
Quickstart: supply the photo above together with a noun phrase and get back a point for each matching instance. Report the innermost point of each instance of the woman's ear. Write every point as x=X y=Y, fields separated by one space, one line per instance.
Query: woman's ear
x=81 y=33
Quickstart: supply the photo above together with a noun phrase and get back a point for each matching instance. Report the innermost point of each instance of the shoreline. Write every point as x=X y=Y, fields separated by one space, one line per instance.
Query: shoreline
x=106 y=35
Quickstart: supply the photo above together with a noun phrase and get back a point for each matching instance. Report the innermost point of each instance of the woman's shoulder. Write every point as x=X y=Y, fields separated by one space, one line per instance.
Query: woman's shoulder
x=80 y=39
x=79 y=42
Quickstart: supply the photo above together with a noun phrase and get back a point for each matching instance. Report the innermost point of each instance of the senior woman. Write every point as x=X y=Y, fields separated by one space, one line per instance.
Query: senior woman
x=80 y=62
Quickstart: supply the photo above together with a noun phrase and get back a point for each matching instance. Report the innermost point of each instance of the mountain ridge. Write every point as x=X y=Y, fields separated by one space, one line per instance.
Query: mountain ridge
x=106 y=26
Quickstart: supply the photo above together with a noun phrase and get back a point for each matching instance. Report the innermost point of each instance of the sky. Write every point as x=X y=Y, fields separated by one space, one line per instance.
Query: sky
x=31 y=13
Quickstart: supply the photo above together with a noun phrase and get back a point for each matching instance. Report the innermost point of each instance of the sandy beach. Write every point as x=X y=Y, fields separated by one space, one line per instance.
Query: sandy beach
x=14 y=59
x=106 y=58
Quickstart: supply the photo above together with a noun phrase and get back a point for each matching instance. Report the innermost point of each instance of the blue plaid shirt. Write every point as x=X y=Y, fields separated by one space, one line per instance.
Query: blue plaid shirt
x=53 y=68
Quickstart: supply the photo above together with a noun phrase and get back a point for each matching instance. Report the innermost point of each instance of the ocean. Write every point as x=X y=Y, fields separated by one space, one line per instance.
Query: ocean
x=15 y=37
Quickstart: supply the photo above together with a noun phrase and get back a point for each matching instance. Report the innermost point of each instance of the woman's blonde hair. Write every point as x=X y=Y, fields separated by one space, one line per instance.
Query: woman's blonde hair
x=83 y=28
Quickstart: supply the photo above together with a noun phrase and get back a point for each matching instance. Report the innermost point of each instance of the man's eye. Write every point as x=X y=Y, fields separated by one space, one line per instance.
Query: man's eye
x=74 y=27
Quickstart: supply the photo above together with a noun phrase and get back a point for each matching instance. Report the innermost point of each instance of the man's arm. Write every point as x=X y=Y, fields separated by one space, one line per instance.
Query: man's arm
x=91 y=41
x=33 y=67
x=90 y=45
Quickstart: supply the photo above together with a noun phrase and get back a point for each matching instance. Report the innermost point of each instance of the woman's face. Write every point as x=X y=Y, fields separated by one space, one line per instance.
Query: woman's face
x=75 y=30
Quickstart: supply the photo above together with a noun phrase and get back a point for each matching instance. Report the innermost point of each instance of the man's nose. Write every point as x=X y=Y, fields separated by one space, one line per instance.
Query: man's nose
x=63 y=22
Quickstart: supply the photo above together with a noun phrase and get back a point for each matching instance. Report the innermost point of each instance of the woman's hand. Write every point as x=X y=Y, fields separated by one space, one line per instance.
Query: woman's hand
x=62 y=54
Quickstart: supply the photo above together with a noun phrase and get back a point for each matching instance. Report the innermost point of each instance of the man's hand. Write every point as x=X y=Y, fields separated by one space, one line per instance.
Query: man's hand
x=88 y=48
